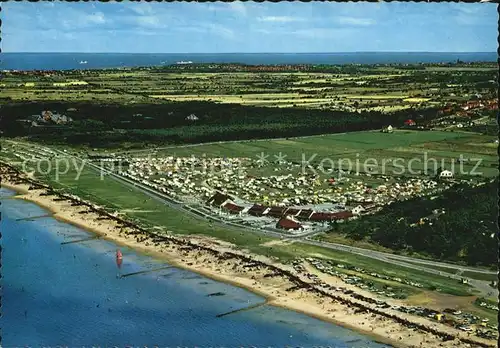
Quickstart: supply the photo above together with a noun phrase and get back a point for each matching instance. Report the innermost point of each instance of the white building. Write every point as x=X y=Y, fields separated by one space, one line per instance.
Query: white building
x=358 y=210
x=446 y=174
x=192 y=117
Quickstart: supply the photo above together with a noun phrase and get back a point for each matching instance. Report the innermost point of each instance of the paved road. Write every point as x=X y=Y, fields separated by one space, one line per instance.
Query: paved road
x=405 y=261
x=394 y=257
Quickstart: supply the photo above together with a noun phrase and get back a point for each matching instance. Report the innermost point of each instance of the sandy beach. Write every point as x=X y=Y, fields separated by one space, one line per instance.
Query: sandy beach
x=267 y=277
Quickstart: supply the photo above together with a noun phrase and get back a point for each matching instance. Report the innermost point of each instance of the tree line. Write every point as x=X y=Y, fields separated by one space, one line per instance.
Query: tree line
x=465 y=233
x=97 y=124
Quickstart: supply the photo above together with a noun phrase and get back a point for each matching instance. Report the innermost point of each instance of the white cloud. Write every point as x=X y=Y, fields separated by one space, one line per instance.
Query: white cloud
x=264 y=31
x=470 y=9
x=220 y=30
x=355 y=21
x=238 y=7
x=278 y=19
x=73 y=20
x=142 y=8
x=149 y=22
x=321 y=33
x=97 y=18
x=211 y=28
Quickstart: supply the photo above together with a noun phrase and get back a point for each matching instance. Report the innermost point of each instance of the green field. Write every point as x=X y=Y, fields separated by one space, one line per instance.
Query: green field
x=378 y=150
x=362 y=88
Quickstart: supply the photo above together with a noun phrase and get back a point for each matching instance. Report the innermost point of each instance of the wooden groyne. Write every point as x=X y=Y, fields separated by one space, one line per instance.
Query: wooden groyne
x=145 y=271
x=31 y=218
x=81 y=240
x=242 y=309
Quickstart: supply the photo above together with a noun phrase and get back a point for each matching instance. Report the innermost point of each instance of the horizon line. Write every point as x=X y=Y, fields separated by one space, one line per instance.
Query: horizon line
x=453 y=52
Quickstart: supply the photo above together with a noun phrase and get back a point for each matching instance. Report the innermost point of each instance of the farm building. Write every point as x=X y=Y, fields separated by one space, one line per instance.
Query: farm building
x=388 y=129
x=446 y=174
x=288 y=223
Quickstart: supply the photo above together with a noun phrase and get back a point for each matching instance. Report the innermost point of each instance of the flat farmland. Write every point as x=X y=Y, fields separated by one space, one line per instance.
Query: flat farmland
x=385 y=89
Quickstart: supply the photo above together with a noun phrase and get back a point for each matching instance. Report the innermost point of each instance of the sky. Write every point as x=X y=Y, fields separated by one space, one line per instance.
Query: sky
x=217 y=27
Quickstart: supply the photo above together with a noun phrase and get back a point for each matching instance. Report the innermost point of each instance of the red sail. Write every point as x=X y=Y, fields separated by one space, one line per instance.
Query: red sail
x=119 y=258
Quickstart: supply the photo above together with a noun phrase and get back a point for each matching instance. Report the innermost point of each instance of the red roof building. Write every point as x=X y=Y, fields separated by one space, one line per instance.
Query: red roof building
x=218 y=199
x=257 y=210
x=232 y=208
x=292 y=211
x=342 y=215
x=276 y=211
x=305 y=214
x=322 y=216
x=288 y=224
x=410 y=122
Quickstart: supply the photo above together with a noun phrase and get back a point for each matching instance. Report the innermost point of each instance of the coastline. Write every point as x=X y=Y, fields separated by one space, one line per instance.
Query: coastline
x=216 y=265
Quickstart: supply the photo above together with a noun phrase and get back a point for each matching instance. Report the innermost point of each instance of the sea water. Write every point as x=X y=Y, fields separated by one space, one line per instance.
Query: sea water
x=70 y=294
x=68 y=61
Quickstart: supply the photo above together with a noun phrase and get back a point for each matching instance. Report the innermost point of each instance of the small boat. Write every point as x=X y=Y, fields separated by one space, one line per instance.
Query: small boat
x=83 y=62
x=183 y=62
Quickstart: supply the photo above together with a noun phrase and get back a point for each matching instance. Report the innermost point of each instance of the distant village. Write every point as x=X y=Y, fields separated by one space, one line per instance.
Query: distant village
x=47 y=118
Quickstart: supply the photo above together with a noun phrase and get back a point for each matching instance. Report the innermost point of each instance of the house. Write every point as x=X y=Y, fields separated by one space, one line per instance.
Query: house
x=276 y=211
x=410 y=122
x=358 y=210
x=305 y=214
x=47 y=115
x=192 y=117
x=288 y=223
x=232 y=208
x=257 y=210
x=388 y=129
x=292 y=211
x=322 y=216
x=218 y=199
x=446 y=174
x=342 y=215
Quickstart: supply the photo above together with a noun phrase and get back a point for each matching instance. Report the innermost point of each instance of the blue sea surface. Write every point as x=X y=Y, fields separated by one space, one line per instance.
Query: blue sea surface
x=70 y=295
x=69 y=61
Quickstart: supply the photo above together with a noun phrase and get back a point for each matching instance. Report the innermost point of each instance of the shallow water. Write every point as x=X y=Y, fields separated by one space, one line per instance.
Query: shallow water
x=70 y=295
